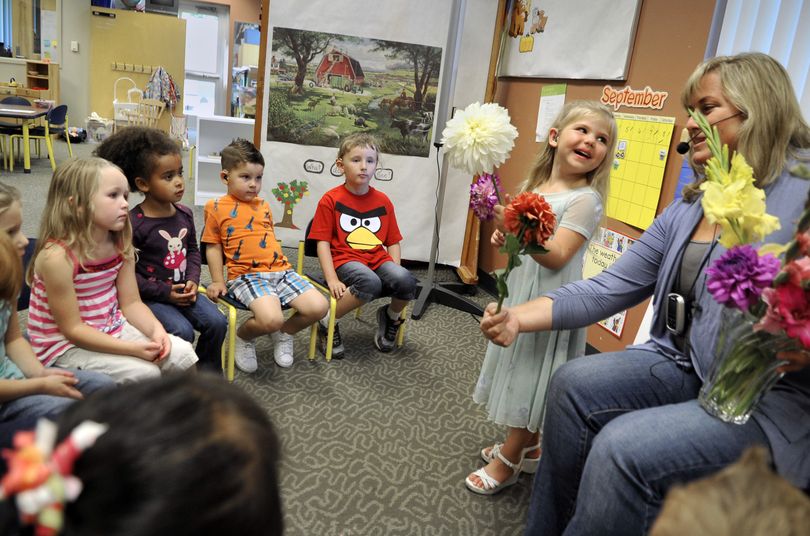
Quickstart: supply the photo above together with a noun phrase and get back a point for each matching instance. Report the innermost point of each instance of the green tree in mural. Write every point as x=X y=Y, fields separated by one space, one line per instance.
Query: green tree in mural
x=289 y=195
x=424 y=60
x=303 y=46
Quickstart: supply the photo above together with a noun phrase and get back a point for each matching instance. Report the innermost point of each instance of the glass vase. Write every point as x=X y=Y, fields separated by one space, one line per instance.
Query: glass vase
x=744 y=367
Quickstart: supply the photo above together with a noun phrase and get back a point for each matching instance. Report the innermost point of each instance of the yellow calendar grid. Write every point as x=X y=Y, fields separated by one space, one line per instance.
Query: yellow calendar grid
x=638 y=167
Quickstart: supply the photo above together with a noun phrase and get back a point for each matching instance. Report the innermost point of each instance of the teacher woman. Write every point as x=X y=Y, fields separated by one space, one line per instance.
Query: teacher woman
x=621 y=428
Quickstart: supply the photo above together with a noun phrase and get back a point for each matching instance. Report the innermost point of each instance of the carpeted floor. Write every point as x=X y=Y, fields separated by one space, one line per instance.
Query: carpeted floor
x=375 y=444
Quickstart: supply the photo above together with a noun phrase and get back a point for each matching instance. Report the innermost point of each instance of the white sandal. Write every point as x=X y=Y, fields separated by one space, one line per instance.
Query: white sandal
x=528 y=465
x=490 y=485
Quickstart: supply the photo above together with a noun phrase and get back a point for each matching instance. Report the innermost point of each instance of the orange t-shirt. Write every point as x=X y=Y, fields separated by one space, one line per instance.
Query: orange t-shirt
x=245 y=232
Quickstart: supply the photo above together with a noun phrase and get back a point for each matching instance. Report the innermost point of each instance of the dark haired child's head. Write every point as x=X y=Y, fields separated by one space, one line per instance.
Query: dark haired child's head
x=357 y=159
x=11 y=217
x=185 y=454
x=242 y=169
x=150 y=160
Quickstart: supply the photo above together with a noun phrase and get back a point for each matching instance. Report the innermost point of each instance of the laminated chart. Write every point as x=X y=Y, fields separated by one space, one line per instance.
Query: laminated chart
x=638 y=167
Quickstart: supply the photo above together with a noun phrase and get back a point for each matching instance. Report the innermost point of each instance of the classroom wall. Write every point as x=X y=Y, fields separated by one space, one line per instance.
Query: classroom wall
x=670 y=41
x=133 y=38
x=76 y=68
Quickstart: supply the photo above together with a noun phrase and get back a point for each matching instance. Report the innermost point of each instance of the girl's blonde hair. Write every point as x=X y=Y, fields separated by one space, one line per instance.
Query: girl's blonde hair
x=69 y=211
x=599 y=178
x=10 y=260
x=772 y=126
x=8 y=194
x=9 y=256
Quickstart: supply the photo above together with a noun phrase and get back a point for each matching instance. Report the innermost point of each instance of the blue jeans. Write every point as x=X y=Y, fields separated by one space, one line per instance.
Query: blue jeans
x=389 y=279
x=22 y=413
x=203 y=316
x=621 y=429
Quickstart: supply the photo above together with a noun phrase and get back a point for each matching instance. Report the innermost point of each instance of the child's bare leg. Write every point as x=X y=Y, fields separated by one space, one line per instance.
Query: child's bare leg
x=397 y=305
x=517 y=439
x=309 y=307
x=267 y=318
x=348 y=302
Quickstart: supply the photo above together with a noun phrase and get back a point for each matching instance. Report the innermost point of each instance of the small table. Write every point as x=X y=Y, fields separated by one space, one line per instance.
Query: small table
x=26 y=114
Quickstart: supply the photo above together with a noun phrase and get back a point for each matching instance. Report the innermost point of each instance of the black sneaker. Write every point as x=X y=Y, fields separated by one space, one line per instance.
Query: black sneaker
x=386 y=337
x=337 y=342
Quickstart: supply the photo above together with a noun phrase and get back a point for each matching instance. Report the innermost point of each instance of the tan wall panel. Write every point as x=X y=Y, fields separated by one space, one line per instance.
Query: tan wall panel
x=137 y=39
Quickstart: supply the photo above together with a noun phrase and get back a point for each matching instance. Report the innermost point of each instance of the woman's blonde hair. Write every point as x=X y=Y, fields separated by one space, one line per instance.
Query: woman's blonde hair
x=12 y=266
x=772 y=127
x=69 y=211
x=599 y=178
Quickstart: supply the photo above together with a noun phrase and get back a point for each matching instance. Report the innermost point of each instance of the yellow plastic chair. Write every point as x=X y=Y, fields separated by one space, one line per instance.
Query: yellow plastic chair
x=56 y=122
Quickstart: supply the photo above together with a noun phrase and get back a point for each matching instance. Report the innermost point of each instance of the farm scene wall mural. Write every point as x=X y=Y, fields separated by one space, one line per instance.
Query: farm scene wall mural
x=323 y=86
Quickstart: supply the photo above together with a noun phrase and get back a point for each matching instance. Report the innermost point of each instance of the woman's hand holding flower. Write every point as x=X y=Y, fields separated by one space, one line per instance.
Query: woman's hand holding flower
x=500 y=327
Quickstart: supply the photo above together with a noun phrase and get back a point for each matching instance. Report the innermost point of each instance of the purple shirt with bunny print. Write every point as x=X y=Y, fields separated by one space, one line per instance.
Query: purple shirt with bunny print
x=167 y=252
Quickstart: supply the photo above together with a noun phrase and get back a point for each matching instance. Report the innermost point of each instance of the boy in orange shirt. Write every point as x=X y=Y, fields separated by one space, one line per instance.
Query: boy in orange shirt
x=239 y=229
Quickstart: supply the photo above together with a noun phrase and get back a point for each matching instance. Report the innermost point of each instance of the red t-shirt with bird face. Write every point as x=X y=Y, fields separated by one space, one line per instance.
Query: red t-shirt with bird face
x=357 y=227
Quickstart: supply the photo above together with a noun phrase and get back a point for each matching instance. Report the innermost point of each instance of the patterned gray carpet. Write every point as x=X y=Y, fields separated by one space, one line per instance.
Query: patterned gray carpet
x=375 y=444
x=381 y=443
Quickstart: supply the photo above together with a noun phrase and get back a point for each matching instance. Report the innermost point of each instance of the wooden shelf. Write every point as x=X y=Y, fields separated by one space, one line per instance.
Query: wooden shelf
x=42 y=80
x=213 y=134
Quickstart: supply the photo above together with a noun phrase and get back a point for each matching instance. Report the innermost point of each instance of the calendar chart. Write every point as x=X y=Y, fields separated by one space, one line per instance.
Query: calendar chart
x=638 y=167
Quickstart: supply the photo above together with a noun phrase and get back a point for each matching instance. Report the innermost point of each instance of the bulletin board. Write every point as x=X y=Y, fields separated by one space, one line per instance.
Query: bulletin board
x=637 y=173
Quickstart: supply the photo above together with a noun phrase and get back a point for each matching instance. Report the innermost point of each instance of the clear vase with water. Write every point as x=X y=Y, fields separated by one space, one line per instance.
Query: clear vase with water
x=744 y=367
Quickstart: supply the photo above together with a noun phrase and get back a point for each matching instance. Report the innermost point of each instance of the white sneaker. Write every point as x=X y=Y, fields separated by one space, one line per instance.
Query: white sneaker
x=245 y=355
x=282 y=348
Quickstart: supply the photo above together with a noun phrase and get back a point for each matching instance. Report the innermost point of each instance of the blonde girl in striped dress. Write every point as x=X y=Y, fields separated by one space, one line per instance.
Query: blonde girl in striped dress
x=85 y=311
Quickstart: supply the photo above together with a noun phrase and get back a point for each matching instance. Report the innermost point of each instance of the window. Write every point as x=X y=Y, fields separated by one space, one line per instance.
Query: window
x=780 y=28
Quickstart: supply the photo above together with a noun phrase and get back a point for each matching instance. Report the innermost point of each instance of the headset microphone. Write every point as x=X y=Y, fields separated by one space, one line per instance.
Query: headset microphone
x=683 y=147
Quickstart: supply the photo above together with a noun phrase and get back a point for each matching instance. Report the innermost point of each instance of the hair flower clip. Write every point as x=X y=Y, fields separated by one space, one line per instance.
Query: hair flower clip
x=40 y=476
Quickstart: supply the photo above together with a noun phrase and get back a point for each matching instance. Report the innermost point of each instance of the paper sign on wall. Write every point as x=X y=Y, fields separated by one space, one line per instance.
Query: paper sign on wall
x=552 y=99
x=605 y=248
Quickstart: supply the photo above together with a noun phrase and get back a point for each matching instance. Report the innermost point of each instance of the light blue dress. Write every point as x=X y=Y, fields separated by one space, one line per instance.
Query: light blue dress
x=514 y=380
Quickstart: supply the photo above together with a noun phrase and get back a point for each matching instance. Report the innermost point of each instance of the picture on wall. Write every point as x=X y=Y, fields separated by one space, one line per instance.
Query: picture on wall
x=323 y=86
x=569 y=39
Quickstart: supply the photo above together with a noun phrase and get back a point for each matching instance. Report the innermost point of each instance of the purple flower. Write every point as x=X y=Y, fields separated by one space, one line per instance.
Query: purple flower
x=484 y=195
x=739 y=276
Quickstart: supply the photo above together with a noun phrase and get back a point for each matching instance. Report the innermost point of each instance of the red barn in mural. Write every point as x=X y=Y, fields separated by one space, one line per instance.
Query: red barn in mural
x=337 y=69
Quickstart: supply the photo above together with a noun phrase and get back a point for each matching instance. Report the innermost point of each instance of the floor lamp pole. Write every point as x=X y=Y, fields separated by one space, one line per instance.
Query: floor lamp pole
x=432 y=291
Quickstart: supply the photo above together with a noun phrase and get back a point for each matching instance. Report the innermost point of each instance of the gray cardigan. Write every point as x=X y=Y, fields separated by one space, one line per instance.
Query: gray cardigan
x=650 y=267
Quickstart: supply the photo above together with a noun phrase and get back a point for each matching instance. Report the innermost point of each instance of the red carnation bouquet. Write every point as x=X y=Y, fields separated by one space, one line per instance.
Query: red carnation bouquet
x=529 y=223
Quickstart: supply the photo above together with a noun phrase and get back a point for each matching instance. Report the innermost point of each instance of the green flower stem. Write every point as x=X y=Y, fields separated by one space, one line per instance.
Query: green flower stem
x=513 y=261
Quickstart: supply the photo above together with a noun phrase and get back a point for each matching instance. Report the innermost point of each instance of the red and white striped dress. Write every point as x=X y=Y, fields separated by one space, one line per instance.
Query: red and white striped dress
x=97 y=296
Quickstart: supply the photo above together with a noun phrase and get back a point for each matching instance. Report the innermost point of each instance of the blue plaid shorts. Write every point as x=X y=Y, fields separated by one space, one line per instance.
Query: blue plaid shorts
x=286 y=286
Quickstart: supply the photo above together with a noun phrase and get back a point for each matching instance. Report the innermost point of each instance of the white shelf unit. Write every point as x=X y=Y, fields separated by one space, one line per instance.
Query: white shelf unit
x=213 y=134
